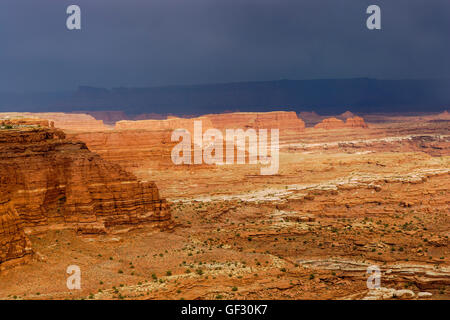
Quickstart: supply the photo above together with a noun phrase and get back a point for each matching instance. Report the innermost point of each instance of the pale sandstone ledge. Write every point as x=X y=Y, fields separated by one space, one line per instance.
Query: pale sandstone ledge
x=172 y=123
x=65 y=121
x=283 y=120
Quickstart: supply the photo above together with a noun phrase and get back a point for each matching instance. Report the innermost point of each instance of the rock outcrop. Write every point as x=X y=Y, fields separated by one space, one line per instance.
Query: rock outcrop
x=15 y=247
x=46 y=179
x=26 y=122
x=65 y=121
x=131 y=149
x=285 y=121
x=147 y=143
x=355 y=122
x=170 y=124
x=330 y=123
x=334 y=123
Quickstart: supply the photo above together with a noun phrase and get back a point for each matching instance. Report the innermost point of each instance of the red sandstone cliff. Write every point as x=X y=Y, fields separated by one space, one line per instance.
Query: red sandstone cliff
x=355 y=122
x=65 y=121
x=170 y=124
x=334 y=123
x=46 y=179
x=330 y=123
x=285 y=121
x=15 y=247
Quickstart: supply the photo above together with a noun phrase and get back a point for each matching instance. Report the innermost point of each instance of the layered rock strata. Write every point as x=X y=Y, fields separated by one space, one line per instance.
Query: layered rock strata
x=46 y=179
x=170 y=124
x=285 y=121
x=15 y=247
x=65 y=121
x=26 y=122
x=334 y=123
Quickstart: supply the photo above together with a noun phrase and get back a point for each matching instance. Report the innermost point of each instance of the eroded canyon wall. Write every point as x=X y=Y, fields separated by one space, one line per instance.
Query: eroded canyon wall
x=15 y=247
x=170 y=124
x=46 y=179
x=285 y=121
x=65 y=121
x=335 y=123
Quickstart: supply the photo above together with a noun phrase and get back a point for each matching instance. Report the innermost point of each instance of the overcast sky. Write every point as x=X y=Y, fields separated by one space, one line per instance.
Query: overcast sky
x=166 y=42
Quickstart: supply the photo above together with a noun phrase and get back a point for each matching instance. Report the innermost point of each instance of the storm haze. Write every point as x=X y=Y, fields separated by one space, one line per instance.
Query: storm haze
x=177 y=42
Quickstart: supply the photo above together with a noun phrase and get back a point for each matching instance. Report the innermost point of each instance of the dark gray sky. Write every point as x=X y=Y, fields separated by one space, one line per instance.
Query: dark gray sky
x=165 y=42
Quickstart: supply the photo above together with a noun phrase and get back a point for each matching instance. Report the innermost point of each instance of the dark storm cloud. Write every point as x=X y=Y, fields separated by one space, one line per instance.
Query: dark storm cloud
x=159 y=42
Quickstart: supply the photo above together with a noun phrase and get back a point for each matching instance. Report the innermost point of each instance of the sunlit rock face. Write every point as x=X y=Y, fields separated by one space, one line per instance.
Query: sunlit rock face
x=334 y=123
x=285 y=121
x=47 y=179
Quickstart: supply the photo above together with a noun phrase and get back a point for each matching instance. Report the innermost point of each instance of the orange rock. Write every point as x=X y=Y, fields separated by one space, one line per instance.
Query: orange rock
x=15 y=247
x=48 y=179
x=170 y=124
x=65 y=121
x=356 y=122
x=334 y=123
x=285 y=121
x=330 y=123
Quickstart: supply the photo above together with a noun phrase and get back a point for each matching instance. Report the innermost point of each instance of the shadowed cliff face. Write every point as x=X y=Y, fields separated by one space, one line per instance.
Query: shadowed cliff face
x=46 y=180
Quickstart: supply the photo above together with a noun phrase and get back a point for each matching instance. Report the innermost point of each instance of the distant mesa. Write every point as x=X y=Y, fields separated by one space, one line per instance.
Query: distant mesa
x=171 y=123
x=285 y=121
x=65 y=121
x=330 y=123
x=334 y=123
x=111 y=117
x=355 y=122
x=347 y=114
x=288 y=122
x=26 y=122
